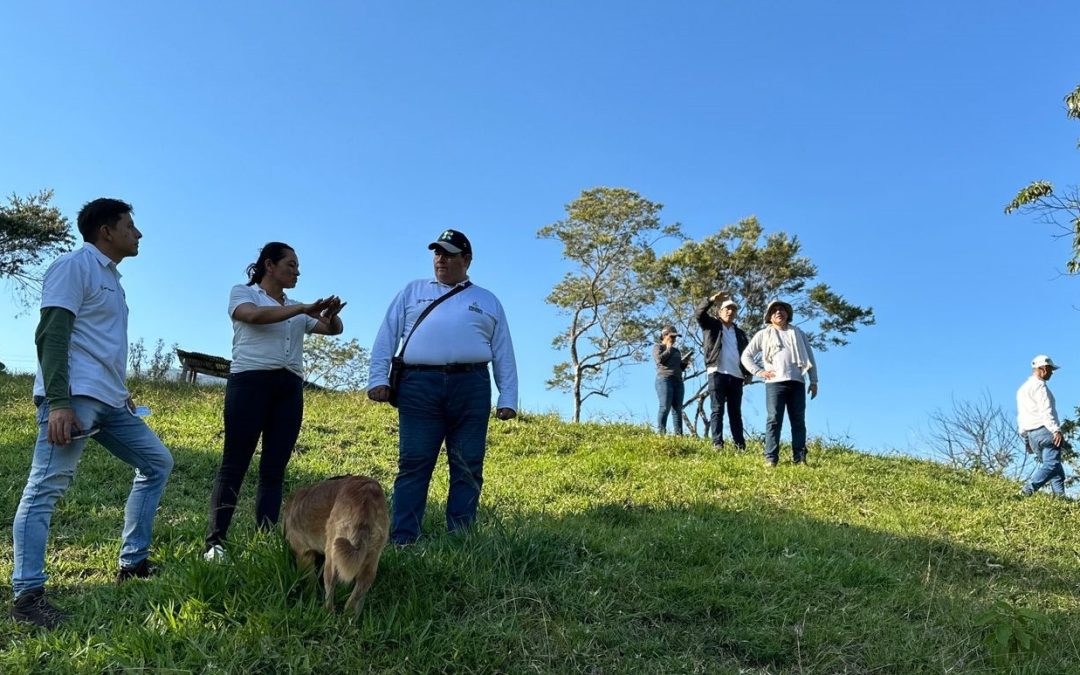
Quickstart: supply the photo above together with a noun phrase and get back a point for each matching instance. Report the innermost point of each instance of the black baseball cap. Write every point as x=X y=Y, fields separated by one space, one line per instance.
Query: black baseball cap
x=452 y=241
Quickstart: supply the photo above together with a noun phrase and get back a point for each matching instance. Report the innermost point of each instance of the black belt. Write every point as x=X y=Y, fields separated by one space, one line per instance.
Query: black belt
x=448 y=368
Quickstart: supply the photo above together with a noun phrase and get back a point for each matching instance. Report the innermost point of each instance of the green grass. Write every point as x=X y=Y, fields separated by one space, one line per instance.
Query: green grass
x=600 y=549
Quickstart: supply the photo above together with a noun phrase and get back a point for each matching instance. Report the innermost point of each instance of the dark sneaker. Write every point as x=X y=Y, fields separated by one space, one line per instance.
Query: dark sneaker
x=143 y=569
x=770 y=463
x=33 y=607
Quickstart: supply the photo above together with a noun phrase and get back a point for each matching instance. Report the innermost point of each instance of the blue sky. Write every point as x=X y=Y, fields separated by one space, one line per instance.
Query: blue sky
x=886 y=136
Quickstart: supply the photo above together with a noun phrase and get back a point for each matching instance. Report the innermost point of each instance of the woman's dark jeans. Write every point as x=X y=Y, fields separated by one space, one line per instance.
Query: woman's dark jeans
x=669 y=392
x=267 y=403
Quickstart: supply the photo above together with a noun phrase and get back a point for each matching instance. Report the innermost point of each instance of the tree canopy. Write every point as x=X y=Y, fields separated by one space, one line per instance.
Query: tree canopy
x=754 y=268
x=607 y=234
x=32 y=232
x=1060 y=208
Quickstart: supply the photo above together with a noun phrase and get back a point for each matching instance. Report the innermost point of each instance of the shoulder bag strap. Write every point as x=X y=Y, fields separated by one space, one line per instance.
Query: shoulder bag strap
x=427 y=310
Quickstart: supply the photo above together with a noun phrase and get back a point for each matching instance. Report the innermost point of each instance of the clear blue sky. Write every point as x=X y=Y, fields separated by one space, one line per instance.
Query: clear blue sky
x=886 y=136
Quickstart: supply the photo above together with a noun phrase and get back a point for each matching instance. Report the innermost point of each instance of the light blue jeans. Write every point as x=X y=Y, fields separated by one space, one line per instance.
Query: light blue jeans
x=1049 y=457
x=53 y=466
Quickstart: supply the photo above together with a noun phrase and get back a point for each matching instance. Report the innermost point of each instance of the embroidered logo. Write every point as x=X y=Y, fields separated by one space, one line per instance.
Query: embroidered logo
x=475 y=308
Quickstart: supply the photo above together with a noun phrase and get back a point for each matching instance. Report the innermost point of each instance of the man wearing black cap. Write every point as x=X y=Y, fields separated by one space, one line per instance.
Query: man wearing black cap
x=445 y=391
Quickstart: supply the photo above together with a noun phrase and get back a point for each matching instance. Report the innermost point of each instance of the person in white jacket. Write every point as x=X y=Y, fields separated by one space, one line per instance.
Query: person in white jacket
x=781 y=355
x=1037 y=419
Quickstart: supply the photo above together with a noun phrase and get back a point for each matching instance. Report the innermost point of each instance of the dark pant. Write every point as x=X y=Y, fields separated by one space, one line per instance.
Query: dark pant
x=669 y=392
x=434 y=407
x=788 y=395
x=726 y=390
x=269 y=403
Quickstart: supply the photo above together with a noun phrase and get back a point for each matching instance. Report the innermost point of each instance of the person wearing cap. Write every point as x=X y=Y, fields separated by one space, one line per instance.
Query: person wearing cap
x=1040 y=427
x=781 y=355
x=724 y=343
x=445 y=389
x=670 y=363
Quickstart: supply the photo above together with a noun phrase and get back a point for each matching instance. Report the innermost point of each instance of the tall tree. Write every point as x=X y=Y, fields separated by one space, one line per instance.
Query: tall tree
x=1058 y=208
x=754 y=268
x=607 y=234
x=31 y=233
x=335 y=363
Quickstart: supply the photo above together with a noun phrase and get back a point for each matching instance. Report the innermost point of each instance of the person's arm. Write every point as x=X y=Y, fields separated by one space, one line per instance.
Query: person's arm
x=704 y=319
x=248 y=312
x=53 y=339
x=386 y=341
x=504 y=367
x=1047 y=414
x=749 y=358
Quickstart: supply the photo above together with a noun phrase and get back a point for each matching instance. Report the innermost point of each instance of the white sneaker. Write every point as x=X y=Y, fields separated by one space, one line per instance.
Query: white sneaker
x=215 y=554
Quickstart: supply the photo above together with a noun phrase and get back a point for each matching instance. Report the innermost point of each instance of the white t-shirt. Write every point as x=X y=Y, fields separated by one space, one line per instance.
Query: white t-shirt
x=267 y=346
x=86 y=283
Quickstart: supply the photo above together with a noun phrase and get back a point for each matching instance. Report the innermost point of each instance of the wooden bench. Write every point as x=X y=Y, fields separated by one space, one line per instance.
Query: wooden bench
x=193 y=363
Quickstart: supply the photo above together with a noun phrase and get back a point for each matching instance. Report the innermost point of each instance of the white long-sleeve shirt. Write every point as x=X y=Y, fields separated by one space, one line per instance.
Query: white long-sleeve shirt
x=1035 y=406
x=470 y=327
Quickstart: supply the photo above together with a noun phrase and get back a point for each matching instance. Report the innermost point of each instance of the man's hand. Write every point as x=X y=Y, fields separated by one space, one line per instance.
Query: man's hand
x=1058 y=438
x=61 y=423
x=506 y=413
x=379 y=394
x=719 y=295
x=767 y=374
x=813 y=390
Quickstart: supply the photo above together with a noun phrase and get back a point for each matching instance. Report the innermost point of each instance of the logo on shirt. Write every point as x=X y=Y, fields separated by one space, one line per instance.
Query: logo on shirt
x=475 y=308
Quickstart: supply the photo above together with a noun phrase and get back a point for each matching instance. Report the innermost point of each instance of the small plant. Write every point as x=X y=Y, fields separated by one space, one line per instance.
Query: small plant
x=1011 y=632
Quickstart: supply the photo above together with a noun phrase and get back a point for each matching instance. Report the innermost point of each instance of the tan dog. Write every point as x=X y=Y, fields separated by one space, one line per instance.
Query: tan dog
x=345 y=519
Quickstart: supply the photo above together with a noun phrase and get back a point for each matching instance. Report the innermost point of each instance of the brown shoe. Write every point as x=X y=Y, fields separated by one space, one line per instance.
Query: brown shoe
x=33 y=607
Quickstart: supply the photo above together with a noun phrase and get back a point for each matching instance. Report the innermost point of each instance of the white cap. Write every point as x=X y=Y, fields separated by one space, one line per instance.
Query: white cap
x=1044 y=360
x=729 y=303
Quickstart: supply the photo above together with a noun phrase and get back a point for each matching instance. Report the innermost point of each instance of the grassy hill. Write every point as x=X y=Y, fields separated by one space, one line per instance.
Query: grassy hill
x=600 y=549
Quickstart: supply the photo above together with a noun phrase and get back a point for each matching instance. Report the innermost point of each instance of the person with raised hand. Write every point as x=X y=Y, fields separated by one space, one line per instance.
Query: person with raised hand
x=265 y=394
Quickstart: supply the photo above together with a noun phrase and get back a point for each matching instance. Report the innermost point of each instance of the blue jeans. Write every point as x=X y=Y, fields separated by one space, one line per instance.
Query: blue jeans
x=434 y=407
x=669 y=391
x=726 y=390
x=1049 y=469
x=790 y=395
x=53 y=466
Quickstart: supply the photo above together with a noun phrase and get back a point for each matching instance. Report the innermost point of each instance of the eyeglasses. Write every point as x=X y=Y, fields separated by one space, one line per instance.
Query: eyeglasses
x=440 y=253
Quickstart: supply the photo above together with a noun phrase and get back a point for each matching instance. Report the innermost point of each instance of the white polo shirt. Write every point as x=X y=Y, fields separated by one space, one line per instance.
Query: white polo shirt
x=268 y=346
x=467 y=328
x=86 y=283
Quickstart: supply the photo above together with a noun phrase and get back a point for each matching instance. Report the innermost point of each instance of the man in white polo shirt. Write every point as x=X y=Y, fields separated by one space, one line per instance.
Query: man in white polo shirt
x=80 y=391
x=1037 y=419
x=445 y=391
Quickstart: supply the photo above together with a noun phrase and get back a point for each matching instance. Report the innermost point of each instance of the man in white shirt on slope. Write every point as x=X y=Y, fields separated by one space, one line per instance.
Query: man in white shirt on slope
x=1037 y=419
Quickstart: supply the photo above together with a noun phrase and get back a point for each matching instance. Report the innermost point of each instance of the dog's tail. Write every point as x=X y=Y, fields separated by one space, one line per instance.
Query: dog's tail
x=349 y=557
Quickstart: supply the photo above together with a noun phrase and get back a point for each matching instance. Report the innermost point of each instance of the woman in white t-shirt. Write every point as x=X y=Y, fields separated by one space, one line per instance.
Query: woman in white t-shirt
x=265 y=395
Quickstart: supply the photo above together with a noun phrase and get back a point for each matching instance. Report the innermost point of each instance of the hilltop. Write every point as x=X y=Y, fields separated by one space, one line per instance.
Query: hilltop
x=600 y=549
